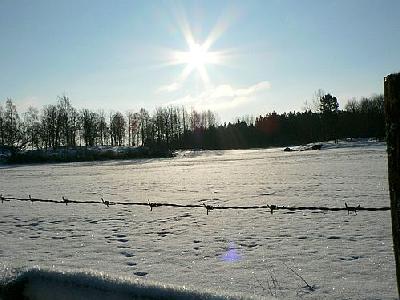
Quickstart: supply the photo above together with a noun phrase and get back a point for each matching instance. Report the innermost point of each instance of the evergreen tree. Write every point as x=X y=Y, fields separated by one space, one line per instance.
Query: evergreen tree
x=329 y=108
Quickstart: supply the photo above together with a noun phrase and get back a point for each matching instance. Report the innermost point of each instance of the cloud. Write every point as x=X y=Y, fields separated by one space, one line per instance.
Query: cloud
x=222 y=97
x=169 y=87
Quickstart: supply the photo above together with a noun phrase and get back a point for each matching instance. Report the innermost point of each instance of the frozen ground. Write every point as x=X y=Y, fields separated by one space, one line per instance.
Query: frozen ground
x=248 y=252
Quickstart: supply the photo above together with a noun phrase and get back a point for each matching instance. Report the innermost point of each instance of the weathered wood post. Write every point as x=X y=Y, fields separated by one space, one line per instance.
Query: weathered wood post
x=392 y=114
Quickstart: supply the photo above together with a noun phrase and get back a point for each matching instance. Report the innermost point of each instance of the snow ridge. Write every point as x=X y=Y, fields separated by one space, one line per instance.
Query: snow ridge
x=56 y=284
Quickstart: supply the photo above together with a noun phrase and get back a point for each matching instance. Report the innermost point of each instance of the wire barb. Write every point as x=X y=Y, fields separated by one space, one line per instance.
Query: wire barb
x=208 y=207
x=105 y=202
x=352 y=208
x=2 y=198
x=272 y=208
x=65 y=200
x=152 y=204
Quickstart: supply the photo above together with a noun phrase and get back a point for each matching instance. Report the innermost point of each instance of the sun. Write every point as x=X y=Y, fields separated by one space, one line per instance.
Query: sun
x=198 y=55
x=197 y=58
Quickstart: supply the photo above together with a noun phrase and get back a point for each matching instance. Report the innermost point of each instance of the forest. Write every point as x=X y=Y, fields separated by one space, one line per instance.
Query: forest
x=61 y=126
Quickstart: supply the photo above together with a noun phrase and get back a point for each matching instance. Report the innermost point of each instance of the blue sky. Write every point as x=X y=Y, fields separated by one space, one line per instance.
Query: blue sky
x=272 y=55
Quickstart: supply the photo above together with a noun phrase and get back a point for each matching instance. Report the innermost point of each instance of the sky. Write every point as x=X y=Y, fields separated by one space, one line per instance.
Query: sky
x=234 y=57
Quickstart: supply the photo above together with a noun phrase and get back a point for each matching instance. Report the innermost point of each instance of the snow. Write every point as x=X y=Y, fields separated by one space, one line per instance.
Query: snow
x=340 y=144
x=227 y=251
x=50 y=285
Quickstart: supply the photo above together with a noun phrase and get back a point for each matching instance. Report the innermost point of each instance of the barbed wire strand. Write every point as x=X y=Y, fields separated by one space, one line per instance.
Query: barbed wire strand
x=272 y=208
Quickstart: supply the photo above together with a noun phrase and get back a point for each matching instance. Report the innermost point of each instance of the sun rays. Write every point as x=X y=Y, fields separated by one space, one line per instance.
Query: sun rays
x=197 y=55
x=196 y=59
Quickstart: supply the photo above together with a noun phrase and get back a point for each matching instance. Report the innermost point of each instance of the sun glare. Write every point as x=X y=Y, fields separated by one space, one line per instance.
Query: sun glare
x=198 y=55
x=196 y=58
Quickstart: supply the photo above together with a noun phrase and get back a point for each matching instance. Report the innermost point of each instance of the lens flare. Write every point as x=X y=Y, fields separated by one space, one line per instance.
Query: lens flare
x=231 y=254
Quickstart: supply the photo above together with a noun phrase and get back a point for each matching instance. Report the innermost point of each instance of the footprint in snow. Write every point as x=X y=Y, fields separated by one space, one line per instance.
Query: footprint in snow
x=352 y=257
x=127 y=254
x=119 y=235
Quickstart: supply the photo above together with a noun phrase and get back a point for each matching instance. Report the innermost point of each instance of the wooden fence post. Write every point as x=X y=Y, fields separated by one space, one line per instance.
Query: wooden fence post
x=392 y=115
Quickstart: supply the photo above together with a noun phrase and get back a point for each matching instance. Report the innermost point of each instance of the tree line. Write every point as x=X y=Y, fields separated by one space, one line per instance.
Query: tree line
x=63 y=126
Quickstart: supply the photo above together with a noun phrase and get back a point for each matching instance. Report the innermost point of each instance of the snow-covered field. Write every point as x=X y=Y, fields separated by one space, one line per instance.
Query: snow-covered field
x=228 y=251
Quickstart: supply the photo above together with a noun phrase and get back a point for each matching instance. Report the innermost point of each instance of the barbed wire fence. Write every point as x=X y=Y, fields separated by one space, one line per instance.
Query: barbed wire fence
x=269 y=207
x=274 y=286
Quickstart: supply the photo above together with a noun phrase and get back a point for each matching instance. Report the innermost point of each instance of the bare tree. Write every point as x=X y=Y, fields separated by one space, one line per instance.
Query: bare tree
x=352 y=106
x=117 y=129
x=88 y=127
x=133 y=127
x=48 y=121
x=11 y=124
x=195 y=120
x=32 y=127
x=145 y=125
x=67 y=121
x=102 y=127
x=2 y=126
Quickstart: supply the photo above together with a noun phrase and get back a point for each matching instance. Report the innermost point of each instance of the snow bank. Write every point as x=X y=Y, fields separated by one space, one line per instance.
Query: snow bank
x=353 y=143
x=340 y=144
x=48 y=285
x=85 y=154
